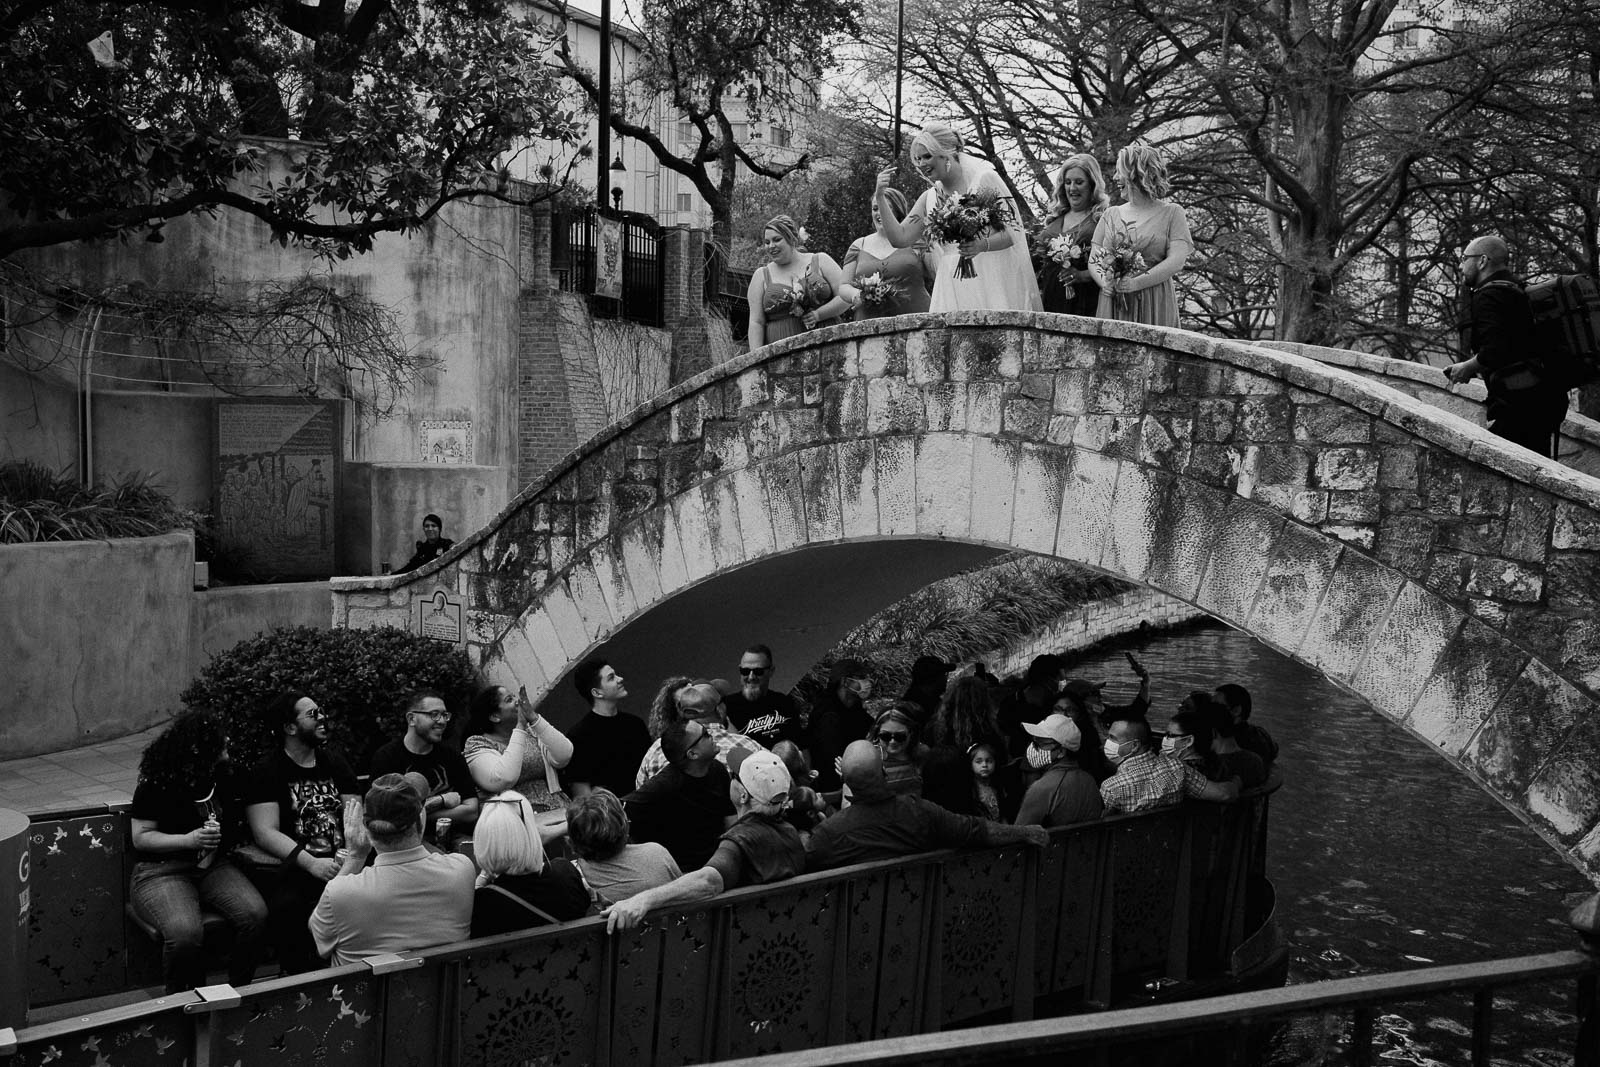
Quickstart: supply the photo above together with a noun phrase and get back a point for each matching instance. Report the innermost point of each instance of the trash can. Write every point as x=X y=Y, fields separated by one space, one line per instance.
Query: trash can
x=15 y=866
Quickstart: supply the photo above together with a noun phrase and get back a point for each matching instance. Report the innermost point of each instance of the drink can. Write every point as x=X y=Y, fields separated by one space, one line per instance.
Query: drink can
x=441 y=832
x=342 y=855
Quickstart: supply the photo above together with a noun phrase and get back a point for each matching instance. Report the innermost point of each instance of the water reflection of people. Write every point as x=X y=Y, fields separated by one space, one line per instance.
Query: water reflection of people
x=432 y=545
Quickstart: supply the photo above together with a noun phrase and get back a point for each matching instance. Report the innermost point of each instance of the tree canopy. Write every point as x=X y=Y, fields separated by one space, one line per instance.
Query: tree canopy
x=388 y=110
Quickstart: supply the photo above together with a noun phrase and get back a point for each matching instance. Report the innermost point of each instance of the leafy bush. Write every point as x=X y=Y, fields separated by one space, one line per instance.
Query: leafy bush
x=358 y=676
x=39 y=505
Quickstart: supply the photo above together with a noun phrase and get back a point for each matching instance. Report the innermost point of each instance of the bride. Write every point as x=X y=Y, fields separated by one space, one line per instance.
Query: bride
x=1004 y=273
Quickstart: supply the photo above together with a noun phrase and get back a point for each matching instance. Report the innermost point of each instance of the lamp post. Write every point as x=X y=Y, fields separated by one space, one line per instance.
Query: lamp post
x=605 y=103
x=617 y=172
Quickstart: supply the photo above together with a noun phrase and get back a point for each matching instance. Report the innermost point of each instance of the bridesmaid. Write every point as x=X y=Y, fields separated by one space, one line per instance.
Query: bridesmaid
x=1076 y=204
x=1151 y=225
x=911 y=269
x=796 y=290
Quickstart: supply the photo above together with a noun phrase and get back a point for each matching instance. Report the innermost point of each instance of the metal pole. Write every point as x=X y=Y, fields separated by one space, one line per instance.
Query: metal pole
x=899 y=68
x=602 y=158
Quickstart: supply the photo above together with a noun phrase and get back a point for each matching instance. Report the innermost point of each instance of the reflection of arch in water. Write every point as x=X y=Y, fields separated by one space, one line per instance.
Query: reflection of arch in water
x=1446 y=577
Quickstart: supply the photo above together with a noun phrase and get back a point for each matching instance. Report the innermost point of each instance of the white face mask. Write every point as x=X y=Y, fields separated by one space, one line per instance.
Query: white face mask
x=1176 y=746
x=1040 y=758
x=1114 y=751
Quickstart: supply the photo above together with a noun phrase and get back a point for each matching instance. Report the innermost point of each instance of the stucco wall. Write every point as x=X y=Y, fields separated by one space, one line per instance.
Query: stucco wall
x=98 y=638
x=391 y=499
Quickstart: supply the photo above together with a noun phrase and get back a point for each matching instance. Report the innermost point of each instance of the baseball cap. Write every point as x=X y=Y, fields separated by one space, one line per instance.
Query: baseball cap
x=1058 y=728
x=764 y=775
x=1081 y=688
x=393 y=803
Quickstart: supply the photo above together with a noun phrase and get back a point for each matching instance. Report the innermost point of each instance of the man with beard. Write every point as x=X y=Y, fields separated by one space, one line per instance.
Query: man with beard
x=295 y=806
x=422 y=750
x=756 y=711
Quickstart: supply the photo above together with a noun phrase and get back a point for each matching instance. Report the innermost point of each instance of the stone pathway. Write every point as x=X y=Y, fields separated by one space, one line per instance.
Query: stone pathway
x=77 y=778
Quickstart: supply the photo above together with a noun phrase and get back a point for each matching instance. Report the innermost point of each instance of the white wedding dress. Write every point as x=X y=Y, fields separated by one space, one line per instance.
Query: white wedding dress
x=1005 y=279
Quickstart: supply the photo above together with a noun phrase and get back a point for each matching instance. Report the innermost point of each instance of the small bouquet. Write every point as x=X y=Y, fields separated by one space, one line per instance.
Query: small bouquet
x=788 y=300
x=1118 y=262
x=875 y=290
x=960 y=217
x=1061 y=251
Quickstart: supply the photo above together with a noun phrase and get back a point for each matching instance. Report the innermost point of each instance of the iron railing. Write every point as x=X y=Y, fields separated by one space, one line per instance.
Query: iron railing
x=726 y=291
x=574 y=241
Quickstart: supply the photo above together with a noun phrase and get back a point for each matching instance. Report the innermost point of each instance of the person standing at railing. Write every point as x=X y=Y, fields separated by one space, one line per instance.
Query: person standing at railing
x=795 y=290
x=182 y=822
x=759 y=848
x=297 y=798
x=880 y=824
x=1146 y=779
x=1251 y=738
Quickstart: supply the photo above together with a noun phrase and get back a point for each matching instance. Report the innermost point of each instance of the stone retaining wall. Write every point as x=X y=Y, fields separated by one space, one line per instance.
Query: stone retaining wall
x=1089 y=624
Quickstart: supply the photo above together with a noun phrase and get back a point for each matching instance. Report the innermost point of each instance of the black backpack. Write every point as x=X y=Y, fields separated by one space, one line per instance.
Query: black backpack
x=1566 y=319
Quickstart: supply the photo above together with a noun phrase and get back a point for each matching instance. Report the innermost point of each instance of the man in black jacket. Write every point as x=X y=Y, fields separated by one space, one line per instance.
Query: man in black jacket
x=1497 y=332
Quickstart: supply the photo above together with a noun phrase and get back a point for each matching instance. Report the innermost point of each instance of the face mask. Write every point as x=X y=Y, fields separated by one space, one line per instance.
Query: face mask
x=1039 y=758
x=1114 y=751
x=861 y=687
x=1176 y=746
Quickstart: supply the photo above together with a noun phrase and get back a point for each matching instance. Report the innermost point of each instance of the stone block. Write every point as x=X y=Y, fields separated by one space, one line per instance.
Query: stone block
x=1115 y=393
x=516 y=652
x=545 y=642
x=680 y=468
x=557 y=603
x=1527 y=535
x=944 y=407
x=896 y=467
x=1217 y=465
x=1160 y=446
x=1477 y=669
x=1041 y=476
x=1026 y=418
x=1037 y=386
x=1072 y=391
x=1190 y=520
x=1115 y=435
x=1403 y=655
x=1576 y=526
x=1397 y=467
x=583 y=582
x=1061 y=429
x=1214 y=420
x=725 y=446
x=819 y=489
x=944 y=484
x=786 y=390
x=786 y=500
x=1332 y=424
x=872 y=354
x=754 y=388
x=797 y=428
x=925 y=361
x=1346 y=468
x=1464 y=535
x=641 y=558
x=1238 y=560
x=1291 y=589
x=686 y=420
x=1404 y=542
x=720 y=507
x=1362 y=537
x=1242 y=382
x=985 y=404
x=985 y=355
x=1086 y=507
x=1354 y=505
x=1573 y=582
x=1261 y=419
x=893 y=407
x=811 y=390
x=755 y=516
x=1134 y=533
x=844 y=408
x=1483 y=492
x=994 y=489
x=1503 y=579
x=1565 y=792
x=858 y=489
x=694 y=534
x=632 y=500
x=1350 y=615
x=621 y=603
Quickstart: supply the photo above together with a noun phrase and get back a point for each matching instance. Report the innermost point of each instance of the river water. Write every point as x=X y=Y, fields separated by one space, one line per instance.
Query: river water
x=1385 y=856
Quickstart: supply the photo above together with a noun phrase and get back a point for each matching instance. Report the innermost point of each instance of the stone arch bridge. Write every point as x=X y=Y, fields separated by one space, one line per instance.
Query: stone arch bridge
x=1451 y=580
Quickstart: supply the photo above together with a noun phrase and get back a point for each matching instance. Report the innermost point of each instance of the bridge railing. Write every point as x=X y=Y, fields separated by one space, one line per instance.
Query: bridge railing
x=872 y=951
x=1221 y=1025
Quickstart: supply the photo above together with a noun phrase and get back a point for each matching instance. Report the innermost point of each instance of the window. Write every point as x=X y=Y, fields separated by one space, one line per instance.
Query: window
x=685 y=202
x=780 y=136
x=686 y=133
x=741 y=132
x=1411 y=37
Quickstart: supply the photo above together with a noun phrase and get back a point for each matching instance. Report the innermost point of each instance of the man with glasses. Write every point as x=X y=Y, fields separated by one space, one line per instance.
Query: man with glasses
x=1497 y=333
x=422 y=750
x=295 y=802
x=686 y=806
x=758 y=712
x=702 y=702
x=760 y=847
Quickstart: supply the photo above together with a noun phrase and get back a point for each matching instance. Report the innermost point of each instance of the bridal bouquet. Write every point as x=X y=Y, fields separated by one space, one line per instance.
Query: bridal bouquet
x=960 y=217
x=1061 y=251
x=1119 y=261
x=875 y=290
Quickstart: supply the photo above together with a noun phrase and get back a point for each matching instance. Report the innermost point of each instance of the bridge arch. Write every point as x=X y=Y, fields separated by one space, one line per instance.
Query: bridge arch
x=1449 y=579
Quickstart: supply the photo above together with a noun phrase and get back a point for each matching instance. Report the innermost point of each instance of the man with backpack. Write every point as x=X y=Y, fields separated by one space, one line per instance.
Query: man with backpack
x=1497 y=330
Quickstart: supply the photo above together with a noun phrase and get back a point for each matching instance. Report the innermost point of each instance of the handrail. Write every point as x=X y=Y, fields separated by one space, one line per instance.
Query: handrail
x=875 y=950
x=1046 y=1036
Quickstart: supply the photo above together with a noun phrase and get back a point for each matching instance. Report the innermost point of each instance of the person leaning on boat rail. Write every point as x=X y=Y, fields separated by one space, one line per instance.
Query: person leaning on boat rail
x=1146 y=779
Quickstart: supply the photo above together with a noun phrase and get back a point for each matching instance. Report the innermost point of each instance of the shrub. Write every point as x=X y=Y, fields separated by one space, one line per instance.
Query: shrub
x=358 y=676
x=38 y=505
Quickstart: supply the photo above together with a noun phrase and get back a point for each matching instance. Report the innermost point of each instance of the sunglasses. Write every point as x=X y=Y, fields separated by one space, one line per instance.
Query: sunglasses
x=893 y=737
x=753 y=672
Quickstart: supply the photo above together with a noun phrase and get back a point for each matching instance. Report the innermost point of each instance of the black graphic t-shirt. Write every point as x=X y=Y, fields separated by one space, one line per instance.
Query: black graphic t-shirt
x=772 y=718
x=310 y=808
x=443 y=766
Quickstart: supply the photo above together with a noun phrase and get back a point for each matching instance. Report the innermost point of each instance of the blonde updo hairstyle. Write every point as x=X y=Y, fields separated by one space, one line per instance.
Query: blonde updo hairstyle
x=1099 y=198
x=939 y=139
x=1145 y=169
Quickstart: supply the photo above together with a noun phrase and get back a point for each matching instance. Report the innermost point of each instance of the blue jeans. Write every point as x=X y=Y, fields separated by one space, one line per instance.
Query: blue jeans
x=168 y=894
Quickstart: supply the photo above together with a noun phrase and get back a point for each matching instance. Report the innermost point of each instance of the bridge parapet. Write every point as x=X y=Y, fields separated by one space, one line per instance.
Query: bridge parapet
x=1449 y=578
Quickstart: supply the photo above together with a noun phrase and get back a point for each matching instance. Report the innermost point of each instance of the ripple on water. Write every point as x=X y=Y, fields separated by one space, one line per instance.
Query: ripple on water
x=1373 y=830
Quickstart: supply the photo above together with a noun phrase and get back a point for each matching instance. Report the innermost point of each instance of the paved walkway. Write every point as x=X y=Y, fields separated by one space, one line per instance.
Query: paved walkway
x=77 y=778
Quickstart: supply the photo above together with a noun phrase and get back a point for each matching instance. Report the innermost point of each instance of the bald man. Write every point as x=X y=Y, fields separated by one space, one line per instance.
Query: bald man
x=1497 y=333
x=880 y=824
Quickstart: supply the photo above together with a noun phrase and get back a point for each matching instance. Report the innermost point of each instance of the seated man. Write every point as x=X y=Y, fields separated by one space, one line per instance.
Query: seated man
x=409 y=898
x=880 y=824
x=1228 y=758
x=1146 y=779
x=1250 y=737
x=764 y=716
x=597 y=830
x=686 y=806
x=422 y=750
x=760 y=848
x=702 y=702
